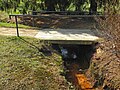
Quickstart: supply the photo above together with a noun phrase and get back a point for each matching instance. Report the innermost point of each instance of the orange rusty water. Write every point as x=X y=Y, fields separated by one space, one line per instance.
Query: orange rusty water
x=79 y=79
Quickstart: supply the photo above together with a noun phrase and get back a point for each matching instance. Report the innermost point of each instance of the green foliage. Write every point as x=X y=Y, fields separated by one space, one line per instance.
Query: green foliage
x=23 y=6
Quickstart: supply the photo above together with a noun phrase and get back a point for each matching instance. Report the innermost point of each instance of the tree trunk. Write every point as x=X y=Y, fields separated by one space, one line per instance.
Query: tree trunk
x=78 y=5
x=93 y=7
x=50 y=5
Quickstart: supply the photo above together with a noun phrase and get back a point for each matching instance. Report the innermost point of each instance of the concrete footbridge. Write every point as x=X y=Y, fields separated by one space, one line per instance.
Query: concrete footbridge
x=69 y=36
x=65 y=36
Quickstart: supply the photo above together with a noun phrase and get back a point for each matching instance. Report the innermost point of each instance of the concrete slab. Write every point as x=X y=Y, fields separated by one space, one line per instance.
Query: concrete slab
x=67 y=36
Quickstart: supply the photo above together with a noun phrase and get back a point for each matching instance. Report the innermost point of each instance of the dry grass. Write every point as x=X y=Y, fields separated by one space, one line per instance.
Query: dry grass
x=105 y=66
x=24 y=67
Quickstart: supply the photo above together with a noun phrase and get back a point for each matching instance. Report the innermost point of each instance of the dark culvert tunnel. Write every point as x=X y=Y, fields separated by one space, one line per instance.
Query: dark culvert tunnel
x=77 y=60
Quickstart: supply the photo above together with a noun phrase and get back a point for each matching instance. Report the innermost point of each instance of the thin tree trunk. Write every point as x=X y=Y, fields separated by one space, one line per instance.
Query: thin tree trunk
x=93 y=7
x=50 y=5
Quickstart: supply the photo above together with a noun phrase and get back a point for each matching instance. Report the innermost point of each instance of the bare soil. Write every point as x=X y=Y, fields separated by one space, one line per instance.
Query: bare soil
x=59 y=22
x=22 y=32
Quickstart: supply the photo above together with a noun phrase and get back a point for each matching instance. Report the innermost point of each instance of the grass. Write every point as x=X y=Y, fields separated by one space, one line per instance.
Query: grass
x=4 y=18
x=12 y=25
x=24 y=67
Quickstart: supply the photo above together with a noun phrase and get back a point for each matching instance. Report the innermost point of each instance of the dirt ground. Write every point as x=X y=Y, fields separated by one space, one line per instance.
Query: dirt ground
x=22 y=32
x=59 y=22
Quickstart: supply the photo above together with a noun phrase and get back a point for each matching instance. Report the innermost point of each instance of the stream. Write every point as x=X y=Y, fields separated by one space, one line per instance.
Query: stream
x=76 y=62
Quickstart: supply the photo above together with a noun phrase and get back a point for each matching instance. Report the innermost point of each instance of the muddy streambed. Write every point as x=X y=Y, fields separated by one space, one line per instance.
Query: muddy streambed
x=77 y=60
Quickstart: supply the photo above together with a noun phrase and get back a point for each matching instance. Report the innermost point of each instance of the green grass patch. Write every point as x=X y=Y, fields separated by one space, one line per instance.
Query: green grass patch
x=12 y=25
x=4 y=18
x=24 y=67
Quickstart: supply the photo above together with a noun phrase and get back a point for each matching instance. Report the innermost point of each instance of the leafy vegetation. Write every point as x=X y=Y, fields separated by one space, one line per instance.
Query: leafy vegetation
x=23 y=6
x=24 y=67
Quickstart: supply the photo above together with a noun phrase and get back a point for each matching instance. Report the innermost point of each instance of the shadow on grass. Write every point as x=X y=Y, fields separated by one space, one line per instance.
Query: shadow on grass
x=44 y=49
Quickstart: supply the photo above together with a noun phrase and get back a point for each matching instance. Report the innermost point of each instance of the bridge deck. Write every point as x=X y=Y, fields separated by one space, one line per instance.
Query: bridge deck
x=68 y=36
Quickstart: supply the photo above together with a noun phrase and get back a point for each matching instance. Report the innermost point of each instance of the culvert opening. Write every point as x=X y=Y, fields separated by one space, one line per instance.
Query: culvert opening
x=77 y=60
